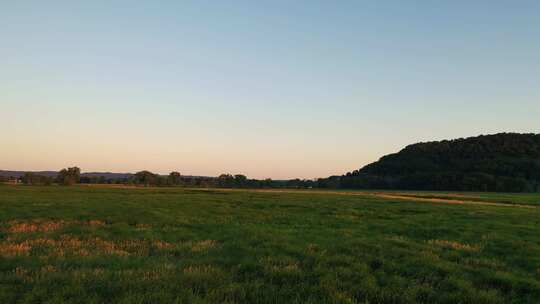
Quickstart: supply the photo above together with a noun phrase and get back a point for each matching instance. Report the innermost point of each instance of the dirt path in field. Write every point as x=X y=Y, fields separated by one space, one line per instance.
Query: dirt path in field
x=384 y=195
x=448 y=201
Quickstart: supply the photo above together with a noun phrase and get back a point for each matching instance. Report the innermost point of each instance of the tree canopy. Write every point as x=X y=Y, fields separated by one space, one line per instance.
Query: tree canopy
x=69 y=176
x=507 y=162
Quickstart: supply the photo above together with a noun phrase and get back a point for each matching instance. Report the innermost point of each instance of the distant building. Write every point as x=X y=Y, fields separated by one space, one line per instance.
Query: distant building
x=13 y=180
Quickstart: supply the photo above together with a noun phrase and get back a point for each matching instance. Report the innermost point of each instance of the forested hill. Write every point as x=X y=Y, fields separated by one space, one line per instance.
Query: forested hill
x=499 y=162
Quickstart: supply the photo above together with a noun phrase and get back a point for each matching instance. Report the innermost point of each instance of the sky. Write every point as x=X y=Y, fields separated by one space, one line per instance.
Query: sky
x=278 y=89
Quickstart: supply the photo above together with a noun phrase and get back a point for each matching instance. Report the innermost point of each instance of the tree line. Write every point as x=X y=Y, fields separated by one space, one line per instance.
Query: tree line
x=72 y=175
x=505 y=162
x=67 y=176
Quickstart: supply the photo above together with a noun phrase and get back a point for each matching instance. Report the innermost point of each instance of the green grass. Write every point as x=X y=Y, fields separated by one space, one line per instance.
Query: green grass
x=99 y=245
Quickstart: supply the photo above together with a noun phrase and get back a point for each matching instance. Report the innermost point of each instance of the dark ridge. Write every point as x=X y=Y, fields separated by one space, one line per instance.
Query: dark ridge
x=508 y=162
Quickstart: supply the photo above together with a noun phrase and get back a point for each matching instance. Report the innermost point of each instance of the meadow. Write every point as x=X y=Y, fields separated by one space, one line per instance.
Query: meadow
x=173 y=245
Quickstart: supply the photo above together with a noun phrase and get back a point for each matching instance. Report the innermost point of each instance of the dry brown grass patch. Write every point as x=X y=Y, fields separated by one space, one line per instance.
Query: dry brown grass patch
x=280 y=265
x=142 y=227
x=162 y=245
x=96 y=223
x=484 y=262
x=203 y=245
x=201 y=270
x=10 y=250
x=35 y=226
x=44 y=225
x=455 y=245
x=70 y=245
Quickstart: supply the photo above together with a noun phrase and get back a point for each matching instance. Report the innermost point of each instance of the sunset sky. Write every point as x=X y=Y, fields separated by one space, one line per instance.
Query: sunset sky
x=278 y=89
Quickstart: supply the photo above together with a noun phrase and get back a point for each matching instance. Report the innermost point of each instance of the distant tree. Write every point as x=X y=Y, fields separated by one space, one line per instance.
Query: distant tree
x=28 y=178
x=174 y=178
x=225 y=181
x=146 y=178
x=240 y=180
x=161 y=180
x=267 y=183
x=69 y=176
x=47 y=180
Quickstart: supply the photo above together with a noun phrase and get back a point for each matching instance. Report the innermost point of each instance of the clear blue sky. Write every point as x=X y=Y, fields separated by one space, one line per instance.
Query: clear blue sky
x=265 y=88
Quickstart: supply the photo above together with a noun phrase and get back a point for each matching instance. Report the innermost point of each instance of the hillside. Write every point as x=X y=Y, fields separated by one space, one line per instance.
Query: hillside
x=501 y=162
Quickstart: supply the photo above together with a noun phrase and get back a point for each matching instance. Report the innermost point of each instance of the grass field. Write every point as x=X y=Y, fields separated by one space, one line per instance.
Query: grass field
x=102 y=245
